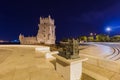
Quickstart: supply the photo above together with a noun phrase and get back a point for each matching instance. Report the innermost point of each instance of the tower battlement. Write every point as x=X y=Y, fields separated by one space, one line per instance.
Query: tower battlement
x=47 y=20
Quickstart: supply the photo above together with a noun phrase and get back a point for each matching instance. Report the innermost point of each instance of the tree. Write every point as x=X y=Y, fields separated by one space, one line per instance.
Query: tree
x=90 y=38
x=102 y=38
x=115 y=38
x=83 y=38
x=97 y=38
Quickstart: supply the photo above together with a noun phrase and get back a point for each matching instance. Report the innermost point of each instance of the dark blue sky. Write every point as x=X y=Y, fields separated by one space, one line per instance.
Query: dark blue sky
x=72 y=17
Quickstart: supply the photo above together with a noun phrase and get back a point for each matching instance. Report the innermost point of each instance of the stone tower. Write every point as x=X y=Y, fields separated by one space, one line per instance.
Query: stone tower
x=46 y=32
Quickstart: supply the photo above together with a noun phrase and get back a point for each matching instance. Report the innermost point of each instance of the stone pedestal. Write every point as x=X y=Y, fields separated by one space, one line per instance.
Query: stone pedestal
x=70 y=69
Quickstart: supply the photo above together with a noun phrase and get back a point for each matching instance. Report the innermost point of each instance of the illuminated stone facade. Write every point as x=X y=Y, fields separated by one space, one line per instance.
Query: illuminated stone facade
x=46 y=33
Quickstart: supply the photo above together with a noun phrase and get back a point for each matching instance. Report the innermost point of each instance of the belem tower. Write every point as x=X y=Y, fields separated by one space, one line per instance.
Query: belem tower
x=45 y=35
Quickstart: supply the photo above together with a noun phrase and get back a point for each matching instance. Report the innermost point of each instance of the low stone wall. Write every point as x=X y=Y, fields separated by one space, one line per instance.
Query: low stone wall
x=102 y=63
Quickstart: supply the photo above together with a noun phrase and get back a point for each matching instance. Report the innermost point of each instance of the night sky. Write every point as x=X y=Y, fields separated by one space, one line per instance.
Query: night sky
x=72 y=18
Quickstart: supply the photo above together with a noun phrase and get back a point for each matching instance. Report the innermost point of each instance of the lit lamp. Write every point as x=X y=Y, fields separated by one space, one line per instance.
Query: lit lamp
x=91 y=34
x=108 y=29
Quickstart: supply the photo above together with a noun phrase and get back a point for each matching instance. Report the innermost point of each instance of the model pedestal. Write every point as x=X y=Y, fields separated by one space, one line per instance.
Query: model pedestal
x=70 y=69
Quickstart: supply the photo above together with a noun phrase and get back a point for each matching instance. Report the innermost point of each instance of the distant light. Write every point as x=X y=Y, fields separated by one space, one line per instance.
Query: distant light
x=95 y=34
x=108 y=29
x=91 y=34
x=15 y=41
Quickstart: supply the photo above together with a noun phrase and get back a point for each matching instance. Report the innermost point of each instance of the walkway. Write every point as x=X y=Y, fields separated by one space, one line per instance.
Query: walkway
x=102 y=63
x=20 y=63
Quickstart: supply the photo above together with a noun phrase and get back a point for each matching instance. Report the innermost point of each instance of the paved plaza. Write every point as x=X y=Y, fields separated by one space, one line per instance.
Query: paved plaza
x=102 y=63
x=20 y=63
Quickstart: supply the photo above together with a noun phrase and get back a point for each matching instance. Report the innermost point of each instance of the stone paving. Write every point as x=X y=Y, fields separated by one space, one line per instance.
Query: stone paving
x=20 y=63
x=97 y=50
x=86 y=77
x=98 y=66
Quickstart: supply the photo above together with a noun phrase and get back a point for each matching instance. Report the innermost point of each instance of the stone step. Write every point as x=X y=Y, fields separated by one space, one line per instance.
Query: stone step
x=97 y=72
